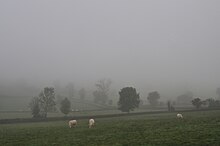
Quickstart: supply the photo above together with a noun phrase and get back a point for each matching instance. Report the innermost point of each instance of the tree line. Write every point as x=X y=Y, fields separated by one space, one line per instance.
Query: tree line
x=128 y=100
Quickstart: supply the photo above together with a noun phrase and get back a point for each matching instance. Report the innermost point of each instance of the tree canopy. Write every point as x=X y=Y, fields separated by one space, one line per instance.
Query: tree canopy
x=197 y=102
x=65 y=106
x=129 y=99
x=153 y=98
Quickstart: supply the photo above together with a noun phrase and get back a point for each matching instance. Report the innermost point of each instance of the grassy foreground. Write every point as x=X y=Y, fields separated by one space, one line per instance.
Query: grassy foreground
x=197 y=128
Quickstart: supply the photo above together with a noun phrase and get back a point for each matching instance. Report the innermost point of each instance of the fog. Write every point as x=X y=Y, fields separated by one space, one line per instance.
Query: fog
x=170 y=46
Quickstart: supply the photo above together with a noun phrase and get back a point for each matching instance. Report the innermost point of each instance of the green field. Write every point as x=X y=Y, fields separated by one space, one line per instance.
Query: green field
x=197 y=128
x=14 y=114
x=27 y=114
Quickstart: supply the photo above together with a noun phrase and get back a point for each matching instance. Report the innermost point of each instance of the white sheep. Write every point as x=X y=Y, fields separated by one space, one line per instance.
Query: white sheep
x=91 y=123
x=72 y=123
x=180 y=116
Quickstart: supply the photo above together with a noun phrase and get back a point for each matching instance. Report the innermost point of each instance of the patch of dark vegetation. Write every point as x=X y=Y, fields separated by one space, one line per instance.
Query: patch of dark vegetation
x=28 y=120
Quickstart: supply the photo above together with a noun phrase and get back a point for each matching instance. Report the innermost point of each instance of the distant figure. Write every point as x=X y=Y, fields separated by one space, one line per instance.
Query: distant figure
x=179 y=116
x=72 y=123
x=91 y=123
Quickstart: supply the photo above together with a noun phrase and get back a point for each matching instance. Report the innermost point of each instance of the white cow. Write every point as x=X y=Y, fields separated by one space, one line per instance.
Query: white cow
x=91 y=123
x=179 y=116
x=72 y=123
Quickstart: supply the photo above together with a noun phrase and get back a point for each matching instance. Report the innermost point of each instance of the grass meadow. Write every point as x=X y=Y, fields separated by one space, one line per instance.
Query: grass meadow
x=197 y=128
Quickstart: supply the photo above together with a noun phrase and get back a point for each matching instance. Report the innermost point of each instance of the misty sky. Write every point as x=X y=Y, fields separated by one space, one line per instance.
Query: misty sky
x=127 y=40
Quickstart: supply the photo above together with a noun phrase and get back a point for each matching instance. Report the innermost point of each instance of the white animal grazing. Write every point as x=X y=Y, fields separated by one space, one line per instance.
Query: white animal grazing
x=72 y=123
x=180 y=116
x=91 y=123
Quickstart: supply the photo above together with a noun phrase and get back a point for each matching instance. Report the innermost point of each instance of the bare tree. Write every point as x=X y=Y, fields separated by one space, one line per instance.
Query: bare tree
x=47 y=100
x=101 y=94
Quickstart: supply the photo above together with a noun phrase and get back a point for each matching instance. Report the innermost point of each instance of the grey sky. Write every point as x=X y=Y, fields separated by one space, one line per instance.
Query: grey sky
x=126 y=40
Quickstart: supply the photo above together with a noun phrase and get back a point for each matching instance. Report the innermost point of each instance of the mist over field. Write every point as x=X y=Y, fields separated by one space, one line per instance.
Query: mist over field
x=167 y=46
x=109 y=72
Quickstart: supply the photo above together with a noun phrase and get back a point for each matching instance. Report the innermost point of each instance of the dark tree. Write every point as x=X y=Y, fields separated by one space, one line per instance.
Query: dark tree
x=101 y=94
x=65 y=106
x=197 y=102
x=129 y=99
x=47 y=100
x=35 y=107
x=153 y=98
x=82 y=93
x=218 y=92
